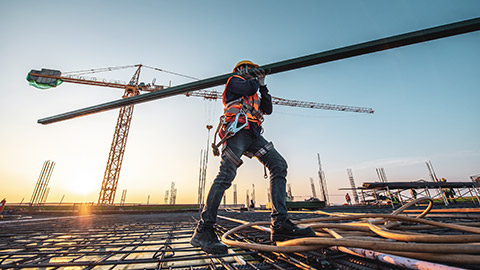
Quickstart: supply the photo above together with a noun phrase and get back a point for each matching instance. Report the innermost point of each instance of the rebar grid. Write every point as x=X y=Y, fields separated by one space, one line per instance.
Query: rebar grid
x=157 y=241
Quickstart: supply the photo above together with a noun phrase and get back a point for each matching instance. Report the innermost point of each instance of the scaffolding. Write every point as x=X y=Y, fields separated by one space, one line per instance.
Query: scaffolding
x=419 y=188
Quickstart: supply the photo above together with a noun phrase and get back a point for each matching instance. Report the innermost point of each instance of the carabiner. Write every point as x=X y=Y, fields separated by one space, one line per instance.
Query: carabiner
x=233 y=129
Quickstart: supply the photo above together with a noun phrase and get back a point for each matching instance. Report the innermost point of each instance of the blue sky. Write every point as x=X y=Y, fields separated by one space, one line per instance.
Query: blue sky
x=425 y=96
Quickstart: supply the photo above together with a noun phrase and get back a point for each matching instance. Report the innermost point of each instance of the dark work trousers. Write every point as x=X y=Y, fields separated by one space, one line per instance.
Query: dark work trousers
x=244 y=141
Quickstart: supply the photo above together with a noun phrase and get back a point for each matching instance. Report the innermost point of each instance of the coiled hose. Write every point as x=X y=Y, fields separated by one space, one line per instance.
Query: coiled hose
x=379 y=232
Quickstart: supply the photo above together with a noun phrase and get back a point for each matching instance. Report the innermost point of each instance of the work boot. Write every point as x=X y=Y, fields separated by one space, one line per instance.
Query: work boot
x=207 y=240
x=287 y=230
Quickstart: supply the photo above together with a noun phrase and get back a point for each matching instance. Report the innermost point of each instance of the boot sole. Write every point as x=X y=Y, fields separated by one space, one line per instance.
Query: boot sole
x=283 y=237
x=208 y=250
x=277 y=238
x=194 y=243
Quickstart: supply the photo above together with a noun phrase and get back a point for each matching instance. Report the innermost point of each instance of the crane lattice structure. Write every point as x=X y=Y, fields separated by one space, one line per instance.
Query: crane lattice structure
x=52 y=78
x=214 y=95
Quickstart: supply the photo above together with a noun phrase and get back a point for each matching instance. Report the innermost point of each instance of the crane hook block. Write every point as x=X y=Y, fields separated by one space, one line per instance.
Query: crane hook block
x=45 y=78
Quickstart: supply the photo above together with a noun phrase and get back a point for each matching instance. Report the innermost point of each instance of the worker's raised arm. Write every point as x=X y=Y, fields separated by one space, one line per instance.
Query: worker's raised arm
x=266 y=100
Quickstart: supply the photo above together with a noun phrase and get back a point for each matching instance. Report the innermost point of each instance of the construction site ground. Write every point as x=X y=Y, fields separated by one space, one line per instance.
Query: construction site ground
x=161 y=241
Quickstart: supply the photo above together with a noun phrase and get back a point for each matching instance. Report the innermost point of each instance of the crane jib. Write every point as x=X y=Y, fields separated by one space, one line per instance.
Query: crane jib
x=410 y=38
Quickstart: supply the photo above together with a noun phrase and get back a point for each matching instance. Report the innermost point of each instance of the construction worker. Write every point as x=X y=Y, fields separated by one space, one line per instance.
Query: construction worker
x=348 y=199
x=449 y=192
x=245 y=107
x=413 y=192
x=393 y=199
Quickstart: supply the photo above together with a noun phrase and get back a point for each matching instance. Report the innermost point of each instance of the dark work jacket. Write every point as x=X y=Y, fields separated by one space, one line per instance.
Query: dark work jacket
x=237 y=88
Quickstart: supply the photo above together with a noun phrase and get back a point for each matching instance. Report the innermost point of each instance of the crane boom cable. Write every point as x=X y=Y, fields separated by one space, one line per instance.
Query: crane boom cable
x=105 y=69
x=173 y=73
x=96 y=70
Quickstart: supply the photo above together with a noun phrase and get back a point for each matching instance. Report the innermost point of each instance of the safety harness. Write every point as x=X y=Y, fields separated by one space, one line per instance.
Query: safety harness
x=236 y=116
x=227 y=128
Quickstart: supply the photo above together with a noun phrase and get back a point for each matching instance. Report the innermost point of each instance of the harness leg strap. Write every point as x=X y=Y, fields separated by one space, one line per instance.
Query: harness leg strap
x=230 y=155
x=262 y=151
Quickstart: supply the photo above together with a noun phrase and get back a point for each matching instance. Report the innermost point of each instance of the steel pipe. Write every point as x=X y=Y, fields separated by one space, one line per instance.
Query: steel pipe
x=410 y=38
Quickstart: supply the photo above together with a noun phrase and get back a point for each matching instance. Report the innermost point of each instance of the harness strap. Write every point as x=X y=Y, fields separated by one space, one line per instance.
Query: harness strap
x=215 y=146
x=262 y=151
x=230 y=155
x=238 y=100
x=244 y=108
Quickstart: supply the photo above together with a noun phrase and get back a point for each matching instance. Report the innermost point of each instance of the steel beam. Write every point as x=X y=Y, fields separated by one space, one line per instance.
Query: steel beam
x=410 y=38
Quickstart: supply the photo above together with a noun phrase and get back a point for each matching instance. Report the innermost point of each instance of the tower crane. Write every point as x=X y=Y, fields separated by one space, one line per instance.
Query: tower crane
x=48 y=78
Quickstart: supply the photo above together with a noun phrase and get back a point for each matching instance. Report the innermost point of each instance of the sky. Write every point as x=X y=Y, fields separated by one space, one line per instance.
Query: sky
x=425 y=96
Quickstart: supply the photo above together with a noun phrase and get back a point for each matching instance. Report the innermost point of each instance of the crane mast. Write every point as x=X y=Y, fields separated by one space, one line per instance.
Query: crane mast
x=117 y=149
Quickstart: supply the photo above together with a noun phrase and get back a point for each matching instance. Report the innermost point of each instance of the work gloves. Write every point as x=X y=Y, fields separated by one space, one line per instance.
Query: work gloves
x=258 y=74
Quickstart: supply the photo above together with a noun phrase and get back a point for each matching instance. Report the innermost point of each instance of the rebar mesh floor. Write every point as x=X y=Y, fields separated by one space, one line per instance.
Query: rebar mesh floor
x=155 y=241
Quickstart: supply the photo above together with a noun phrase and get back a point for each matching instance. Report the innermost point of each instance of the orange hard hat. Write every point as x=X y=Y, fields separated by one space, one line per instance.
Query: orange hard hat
x=244 y=62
